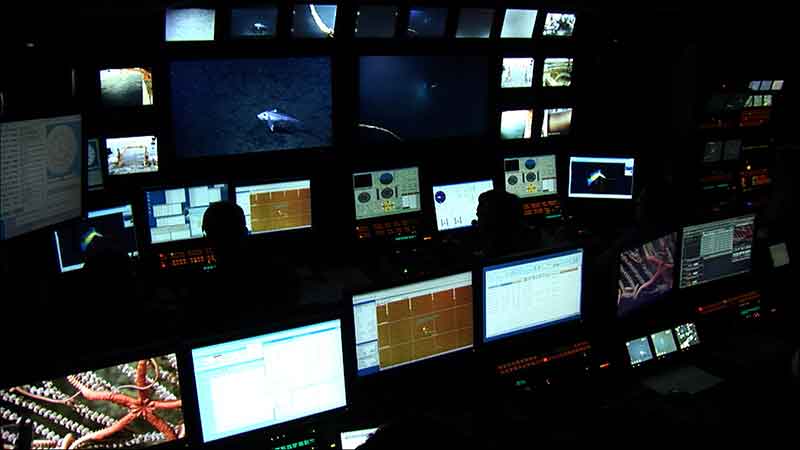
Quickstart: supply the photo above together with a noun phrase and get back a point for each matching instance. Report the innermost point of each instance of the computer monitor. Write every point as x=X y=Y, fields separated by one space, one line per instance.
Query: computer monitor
x=475 y=23
x=190 y=24
x=456 y=205
x=517 y=73
x=176 y=214
x=646 y=273
x=639 y=351
x=352 y=439
x=557 y=72
x=427 y=22
x=687 y=335
x=516 y=124
x=531 y=293
x=143 y=394
x=254 y=22
x=601 y=178
x=274 y=104
x=716 y=250
x=531 y=176
x=94 y=170
x=558 y=24
x=273 y=207
x=376 y=21
x=132 y=155
x=518 y=23
x=414 y=322
x=556 y=122
x=312 y=20
x=387 y=192
x=41 y=180
x=126 y=87
x=712 y=152
x=72 y=242
x=270 y=379
x=664 y=343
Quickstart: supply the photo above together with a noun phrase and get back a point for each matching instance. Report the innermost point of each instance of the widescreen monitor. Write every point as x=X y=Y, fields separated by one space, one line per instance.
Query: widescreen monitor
x=558 y=24
x=518 y=23
x=112 y=224
x=516 y=124
x=475 y=23
x=556 y=122
x=601 y=178
x=273 y=207
x=387 y=192
x=427 y=22
x=312 y=20
x=557 y=72
x=132 y=155
x=456 y=205
x=190 y=24
x=177 y=214
x=124 y=87
x=646 y=273
x=517 y=73
x=376 y=21
x=531 y=176
x=254 y=22
x=716 y=250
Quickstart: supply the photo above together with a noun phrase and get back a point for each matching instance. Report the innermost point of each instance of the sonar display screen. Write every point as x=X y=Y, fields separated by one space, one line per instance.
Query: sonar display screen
x=646 y=273
x=610 y=178
x=386 y=192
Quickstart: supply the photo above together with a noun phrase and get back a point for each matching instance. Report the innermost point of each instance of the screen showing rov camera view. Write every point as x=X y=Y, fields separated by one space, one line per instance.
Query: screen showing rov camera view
x=556 y=122
x=386 y=192
x=190 y=24
x=639 y=351
x=406 y=324
x=254 y=22
x=716 y=250
x=517 y=73
x=177 y=214
x=352 y=439
x=687 y=335
x=645 y=273
x=422 y=97
x=276 y=206
x=228 y=107
x=427 y=22
x=528 y=294
x=84 y=410
x=40 y=174
x=601 y=177
x=376 y=21
x=518 y=23
x=314 y=21
x=126 y=87
x=129 y=155
x=664 y=343
x=113 y=224
x=266 y=380
x=475 y=23
x=557 y=72
x=456 y=205
x=531 y=176
x=516 y=124
x=557 y=24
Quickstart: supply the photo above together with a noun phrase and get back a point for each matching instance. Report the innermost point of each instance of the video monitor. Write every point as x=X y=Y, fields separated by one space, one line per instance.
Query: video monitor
x=556 y=122
x=517 y=73
x=427 y=22
x=713 y=152
x=376 y=21
x=601 y=178
x=456 y=205
x=777 y=85
x=475 y=23
x=94 y=170
x=557 y=24
x=414 y=322
x=115 y=224
x=518 y=23
x=134 y=404
x=234 y=106
x=255 y=22
x=127 y=87
x=41 y=182
x=311 y=20
x=387 y=192
x=190 y=24
x=639 y=351
x=262 y=381
x=765 y=85
x=406 y=98
x=687 y=335
x=130 y=155
x=177 y=214
x=557 y=72
x=646 y=273
x=664 y=343
x=755 y=85
x=716 y=250
x=352 y=439
x=732 y=150
x=276 y=207
x=531 y=293
x=531 y=176
x=516 y=124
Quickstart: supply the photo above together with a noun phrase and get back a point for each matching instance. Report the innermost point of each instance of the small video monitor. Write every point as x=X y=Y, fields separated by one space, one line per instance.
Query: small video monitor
x=557 y=72
x=131 y=155
x=311 y=20
x=765 y=85
x=91 y=406
x=414 y=322
x=531 y=293
x=716 y=250
x=646 y=273
x=518 y=23
x=352 y=439
x=755 y=85
x=177 y=214
x=386 y=192
x=664 y=343
x=128 y=87
x=560 y=25
x=190 y=24
x=601 y=178
x=376 y=21
x=687 y=335
x=556 y=122
x=713 y=152
x=475 y=23
x=531 y=176
x=517 y=73
x=94 y=170
x=732 y=150
x=273 y=207
x=456 y=205
x=114 y=224
x=639 y=351
x=262 y=381
x=255 y=22
x=777 y=85
x=516 y=124
x=427 y=22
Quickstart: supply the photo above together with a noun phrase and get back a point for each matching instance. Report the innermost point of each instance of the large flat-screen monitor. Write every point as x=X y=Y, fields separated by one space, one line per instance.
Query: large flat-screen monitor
x=531 y=176
x=531 y=293
x=126 y=87
x=405 y=98
x=87 y=409
x=40 y=173
x=276 y=207
x=270 y=379
x=190 y=24
x=456 y=205
x=607 y=178
x=646 y=273
x=132 y=155
x=414 y=322
x=716 y=250
x=233 y=106
x=177 y=214
x=72 y=242
x=387 y=192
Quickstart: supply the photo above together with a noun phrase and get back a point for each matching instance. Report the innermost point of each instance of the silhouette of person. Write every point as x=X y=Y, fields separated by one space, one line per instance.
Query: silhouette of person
x=500 y=226
x=225 y=228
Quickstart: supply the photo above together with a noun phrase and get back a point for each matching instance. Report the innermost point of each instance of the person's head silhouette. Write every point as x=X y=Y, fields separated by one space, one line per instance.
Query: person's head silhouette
x=225 y=228
x=500 y=221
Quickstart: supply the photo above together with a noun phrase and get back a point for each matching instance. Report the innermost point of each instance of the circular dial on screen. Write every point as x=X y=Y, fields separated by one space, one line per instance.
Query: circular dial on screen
x=531 y=177
x=512 y=180
x=364 y=197
x=530 y=164
x=386 y=178
x=387 y=193
x=62 y=149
